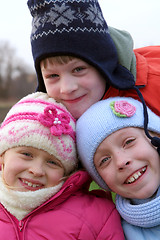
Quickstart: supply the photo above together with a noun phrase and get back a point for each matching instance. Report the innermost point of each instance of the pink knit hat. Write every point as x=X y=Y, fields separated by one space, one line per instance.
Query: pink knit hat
x=39 y=121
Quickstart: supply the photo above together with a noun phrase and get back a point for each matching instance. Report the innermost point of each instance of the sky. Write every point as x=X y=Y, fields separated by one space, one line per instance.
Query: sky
x=139 y=17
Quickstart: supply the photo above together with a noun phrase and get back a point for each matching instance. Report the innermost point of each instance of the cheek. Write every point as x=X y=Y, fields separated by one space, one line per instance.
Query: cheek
x=93 y=82
x=107 y=176
x=9 y=173
x=110 y=177
x=52 y=91
x=97 y=87
x=47 y=85
x=14 y=167
x=55 y=176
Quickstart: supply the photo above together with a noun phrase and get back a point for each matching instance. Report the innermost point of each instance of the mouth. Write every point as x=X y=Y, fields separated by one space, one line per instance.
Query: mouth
x=31 y=185
x=135 y=176
x=74 y=100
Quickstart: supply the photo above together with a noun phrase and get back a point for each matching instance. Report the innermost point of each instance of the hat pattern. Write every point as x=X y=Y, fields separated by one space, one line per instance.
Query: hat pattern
x=66 y=17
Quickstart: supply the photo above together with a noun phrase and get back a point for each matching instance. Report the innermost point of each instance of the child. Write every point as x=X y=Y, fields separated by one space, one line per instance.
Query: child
x=77 y=34
x=120 y=156
x=42 y=196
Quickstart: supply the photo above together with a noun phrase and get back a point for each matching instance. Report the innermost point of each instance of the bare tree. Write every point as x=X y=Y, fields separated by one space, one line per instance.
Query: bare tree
x=13 y=74
x=6 y=67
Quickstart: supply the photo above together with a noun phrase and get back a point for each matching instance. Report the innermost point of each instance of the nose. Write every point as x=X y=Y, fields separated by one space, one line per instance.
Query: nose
x=122 y=161
x=37 y=169
x=68 y=84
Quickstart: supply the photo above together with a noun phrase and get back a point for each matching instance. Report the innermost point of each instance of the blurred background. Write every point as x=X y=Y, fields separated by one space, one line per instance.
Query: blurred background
x=17 y=76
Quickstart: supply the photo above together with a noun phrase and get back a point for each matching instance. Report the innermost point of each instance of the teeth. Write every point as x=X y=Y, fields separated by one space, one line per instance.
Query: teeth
x=30 y=184
x=136 y=175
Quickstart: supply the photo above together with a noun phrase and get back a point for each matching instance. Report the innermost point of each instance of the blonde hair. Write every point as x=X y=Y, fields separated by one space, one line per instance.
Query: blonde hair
x=56 y=60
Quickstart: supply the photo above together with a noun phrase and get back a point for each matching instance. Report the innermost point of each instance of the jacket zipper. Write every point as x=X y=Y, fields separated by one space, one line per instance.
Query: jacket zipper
x=21 y=224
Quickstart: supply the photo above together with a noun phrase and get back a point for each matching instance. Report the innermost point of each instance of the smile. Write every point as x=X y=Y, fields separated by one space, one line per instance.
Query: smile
x=74 y=100
x=29 y=184
x=135 y=176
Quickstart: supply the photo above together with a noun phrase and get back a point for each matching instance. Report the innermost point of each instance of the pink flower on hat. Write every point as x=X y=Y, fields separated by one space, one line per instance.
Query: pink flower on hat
x=58 y=123
x=123 y=108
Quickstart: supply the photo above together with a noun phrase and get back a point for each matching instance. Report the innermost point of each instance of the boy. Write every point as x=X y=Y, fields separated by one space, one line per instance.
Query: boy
x=78 y=29
x=120 y=154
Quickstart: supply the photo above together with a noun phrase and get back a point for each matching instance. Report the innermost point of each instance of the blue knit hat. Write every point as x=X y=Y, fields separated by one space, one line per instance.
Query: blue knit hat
x=104 y=118
x=76 y=28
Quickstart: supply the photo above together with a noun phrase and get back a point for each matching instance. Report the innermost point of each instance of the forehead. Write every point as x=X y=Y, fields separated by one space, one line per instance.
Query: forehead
x=122 y=134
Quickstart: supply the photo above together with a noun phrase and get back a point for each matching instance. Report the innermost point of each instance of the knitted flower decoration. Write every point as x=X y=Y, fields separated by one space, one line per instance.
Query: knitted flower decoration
x=58 y=123
x=122 y=108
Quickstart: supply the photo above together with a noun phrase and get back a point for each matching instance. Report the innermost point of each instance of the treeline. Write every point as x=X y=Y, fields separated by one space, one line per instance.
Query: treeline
x=17 y=79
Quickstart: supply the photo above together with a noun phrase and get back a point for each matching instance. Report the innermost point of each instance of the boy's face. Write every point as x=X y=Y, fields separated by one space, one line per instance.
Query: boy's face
x=75 y=84
x=129 y=164
x=27 y=168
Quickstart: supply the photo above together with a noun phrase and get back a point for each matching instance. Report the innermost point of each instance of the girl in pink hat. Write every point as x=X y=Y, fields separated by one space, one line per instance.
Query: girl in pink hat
x=42 y=194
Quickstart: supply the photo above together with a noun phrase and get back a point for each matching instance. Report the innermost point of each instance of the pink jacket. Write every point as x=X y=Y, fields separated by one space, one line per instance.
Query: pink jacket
x=73 y=213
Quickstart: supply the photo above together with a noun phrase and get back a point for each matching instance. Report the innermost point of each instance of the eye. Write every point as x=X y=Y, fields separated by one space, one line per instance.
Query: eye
x=53 y=163
x=129 y=141
x=79 y=69
x=27 y=154
x=52 y=76
x=105 y=161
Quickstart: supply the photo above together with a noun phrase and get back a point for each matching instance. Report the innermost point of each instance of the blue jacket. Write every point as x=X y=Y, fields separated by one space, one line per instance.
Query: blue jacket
x=134 y=232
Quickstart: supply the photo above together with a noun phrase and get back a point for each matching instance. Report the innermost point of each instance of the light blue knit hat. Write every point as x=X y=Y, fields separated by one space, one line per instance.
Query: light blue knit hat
x=104 y=118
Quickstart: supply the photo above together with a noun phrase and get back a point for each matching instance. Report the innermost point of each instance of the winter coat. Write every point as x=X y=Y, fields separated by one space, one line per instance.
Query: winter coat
x=147 y=78
x=72 y=213
x=133 y=232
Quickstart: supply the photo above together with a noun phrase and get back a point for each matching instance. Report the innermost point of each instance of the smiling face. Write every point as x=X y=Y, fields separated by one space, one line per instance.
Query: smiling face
x=129 y=164
x=27 y=168
x=75 y=84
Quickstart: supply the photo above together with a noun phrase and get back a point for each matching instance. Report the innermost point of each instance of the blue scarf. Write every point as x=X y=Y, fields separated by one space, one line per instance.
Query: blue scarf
x=146 y=213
